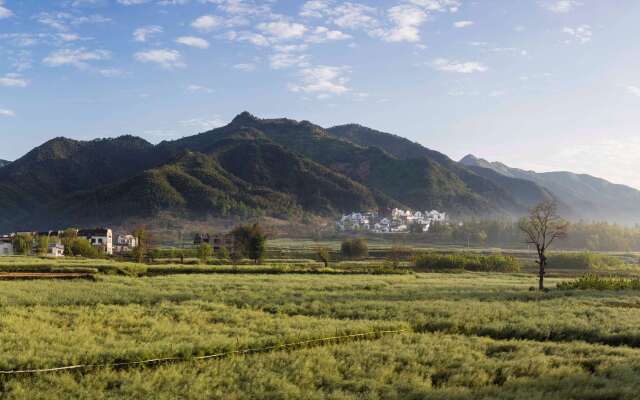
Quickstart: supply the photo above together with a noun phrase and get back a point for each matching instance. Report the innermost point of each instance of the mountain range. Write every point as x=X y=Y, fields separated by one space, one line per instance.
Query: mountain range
x=274 y=167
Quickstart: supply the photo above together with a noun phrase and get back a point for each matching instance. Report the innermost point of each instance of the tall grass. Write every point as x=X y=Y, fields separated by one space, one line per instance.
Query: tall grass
x=596 y=282
x=468 y=262
x=584 y=261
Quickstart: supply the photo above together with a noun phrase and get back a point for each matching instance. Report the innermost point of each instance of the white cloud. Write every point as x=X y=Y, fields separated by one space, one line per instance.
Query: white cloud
x=78 y=58
x=582 y=33
x=561 y=6
x=407 y=20
x=353 y=16
x=166 y=58
x=282 y=30
x=286 y=60
x=193 y=41
x=111 y=72
x=247 y=67
x=142 y=34
x=634 y=90
x=442 y=64
x=193 y=88
x=323 y=81
x=132 y=2
x=438 y=5
x=322 y=34
x=7 y=113
x=60 y=21
x=462 y=24
x=315 y=8
x=207 y=23
x=4 y=11
x=13 y=80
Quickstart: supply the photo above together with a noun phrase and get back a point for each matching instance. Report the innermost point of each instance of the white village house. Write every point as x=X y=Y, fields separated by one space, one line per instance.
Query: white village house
x=6 y=246
x=125 y=244
x=396 y=221
x=100 y=238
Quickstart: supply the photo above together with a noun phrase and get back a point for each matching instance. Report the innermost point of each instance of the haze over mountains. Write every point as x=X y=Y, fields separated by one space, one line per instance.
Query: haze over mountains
x=281 y=168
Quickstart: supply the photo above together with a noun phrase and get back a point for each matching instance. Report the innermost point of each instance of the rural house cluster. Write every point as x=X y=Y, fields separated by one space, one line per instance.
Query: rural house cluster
x=394 y=221
x=99 y=238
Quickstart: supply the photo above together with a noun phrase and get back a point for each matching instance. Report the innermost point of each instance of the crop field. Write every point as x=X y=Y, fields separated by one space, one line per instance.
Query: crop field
x=463 y=336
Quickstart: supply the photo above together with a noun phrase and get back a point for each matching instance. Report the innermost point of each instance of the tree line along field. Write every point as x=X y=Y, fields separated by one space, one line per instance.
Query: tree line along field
x=466 y=336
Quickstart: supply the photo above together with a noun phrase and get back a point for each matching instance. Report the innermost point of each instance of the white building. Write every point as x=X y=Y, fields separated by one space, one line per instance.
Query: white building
x=6 y=246
x=56 y=250
x=100 y=238
x=125 y=244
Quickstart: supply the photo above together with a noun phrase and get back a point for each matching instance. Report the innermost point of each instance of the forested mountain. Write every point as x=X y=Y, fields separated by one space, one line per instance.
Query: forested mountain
x=276 y=167
x=4 y=163
x=583 y=196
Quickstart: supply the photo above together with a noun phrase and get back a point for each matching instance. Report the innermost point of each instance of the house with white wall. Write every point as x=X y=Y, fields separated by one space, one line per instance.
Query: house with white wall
x=6 y=246
x=100 y=238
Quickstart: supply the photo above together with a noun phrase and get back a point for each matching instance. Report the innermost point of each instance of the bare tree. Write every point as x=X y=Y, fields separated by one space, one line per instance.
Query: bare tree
x=542 y=227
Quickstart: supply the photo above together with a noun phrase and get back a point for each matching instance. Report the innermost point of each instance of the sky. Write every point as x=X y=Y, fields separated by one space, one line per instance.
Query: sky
x=543 y=85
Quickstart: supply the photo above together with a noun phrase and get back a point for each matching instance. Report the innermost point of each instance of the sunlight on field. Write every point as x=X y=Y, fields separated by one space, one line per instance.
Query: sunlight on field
x=471 y=335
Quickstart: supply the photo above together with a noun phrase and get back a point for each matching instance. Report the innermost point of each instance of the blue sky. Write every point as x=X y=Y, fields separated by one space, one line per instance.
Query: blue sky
x=545 y=85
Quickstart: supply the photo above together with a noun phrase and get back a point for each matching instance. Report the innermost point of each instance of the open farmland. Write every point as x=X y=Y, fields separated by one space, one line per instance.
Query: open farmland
x=468 y=336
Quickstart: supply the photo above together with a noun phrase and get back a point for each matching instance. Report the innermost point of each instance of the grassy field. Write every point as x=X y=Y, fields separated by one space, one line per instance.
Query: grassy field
x=469 y=336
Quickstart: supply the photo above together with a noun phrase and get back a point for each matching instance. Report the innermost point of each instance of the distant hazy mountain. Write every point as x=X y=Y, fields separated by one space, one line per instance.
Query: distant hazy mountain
x=255 y=167
x=583 y=196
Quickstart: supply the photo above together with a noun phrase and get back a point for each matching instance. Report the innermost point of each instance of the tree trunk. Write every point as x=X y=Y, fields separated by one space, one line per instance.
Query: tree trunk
x=543 y=263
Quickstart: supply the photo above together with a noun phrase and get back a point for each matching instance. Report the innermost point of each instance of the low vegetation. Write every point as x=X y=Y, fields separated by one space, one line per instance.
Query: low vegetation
x=458 y=344
x=585 y=261
x=466 y=262
x=601 y=283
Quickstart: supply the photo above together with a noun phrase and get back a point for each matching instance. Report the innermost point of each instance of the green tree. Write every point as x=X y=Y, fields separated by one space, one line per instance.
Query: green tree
x=22 y=244
x=250 y=240
x=42 y=245
x=223 y=253
x=142 y=244
x=204 y=252
x=68 y=237
x=354 y=248
x=82 y=247
x=323 y=256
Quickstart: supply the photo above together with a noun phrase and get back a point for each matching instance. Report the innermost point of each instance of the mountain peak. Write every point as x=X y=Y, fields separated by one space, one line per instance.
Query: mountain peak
x=244 y=118
x=469 y=159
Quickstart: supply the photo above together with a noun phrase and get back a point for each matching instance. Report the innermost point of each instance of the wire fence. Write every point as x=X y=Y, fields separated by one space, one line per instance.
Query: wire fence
x=168 y=360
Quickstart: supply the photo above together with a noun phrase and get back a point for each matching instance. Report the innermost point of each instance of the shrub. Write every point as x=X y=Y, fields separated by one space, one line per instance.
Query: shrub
x=82 y=247
x=204 y=252
x=584 y=261
x=591 y=281
x=468 y=262
x=354 y=248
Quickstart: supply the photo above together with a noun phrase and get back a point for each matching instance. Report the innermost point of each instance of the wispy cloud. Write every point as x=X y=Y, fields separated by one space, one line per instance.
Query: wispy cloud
x=462 y=24
x=7 y=113
x=561 y=6
x=78 y=58
x=166 y=58
x=582 y=34
x=323 y=81
x=469 y=67
x=207 y=23
x=633 y=90
x=4 y=11
x=193 y=88
x=193 y=41
x=145 y=32
x=13 y=80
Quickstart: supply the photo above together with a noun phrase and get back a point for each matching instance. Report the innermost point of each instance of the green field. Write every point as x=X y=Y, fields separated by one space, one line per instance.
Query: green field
x=469 y=336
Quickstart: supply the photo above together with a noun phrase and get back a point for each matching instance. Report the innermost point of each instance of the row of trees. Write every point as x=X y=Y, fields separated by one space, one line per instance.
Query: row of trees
x=250 y=241
x=27 y=244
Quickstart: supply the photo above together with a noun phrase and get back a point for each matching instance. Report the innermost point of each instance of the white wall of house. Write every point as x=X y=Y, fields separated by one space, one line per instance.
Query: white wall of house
x=6 y=248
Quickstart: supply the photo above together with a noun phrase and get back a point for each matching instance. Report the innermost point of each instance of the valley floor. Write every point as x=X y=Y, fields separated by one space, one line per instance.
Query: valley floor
x=468 y=336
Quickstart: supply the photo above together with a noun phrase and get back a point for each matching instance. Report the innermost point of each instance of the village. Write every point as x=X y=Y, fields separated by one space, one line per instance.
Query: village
x=390 y=221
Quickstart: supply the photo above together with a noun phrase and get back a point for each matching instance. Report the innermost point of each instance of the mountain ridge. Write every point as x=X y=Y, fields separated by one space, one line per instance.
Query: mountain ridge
x=255 y=167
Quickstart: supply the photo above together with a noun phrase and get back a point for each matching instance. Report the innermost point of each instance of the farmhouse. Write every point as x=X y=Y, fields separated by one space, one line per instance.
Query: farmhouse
x=125 y=244
x=100 y=238
x=6 y=246
x=216 y=241
x=395 y=221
